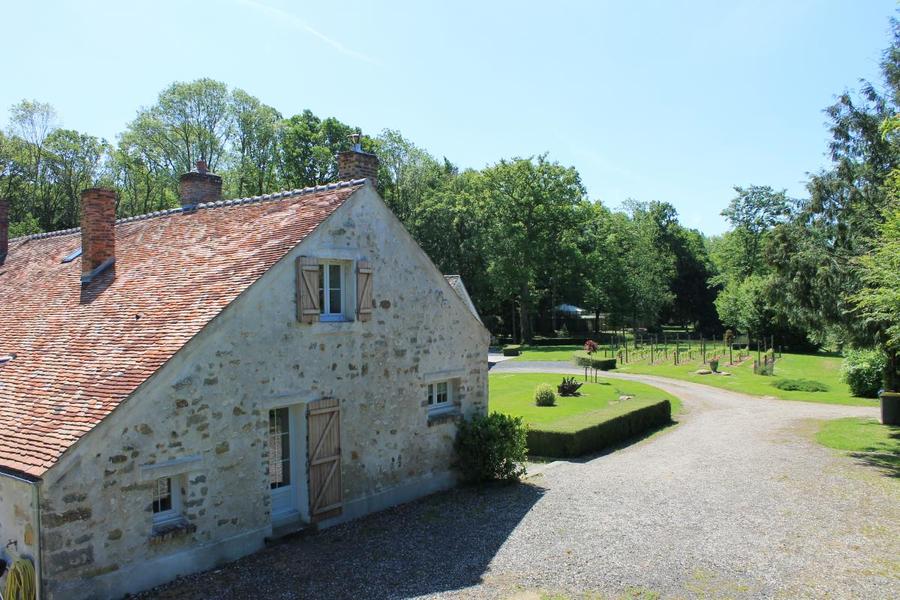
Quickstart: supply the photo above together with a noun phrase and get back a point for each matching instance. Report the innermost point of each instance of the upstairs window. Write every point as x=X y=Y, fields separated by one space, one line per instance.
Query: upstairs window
x=331 y=291
x=325 y=290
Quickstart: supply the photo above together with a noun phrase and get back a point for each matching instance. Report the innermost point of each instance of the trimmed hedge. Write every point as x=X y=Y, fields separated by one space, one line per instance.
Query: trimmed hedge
x=564 y=341
x=512 y=350
x=561 y=444
x=583 y=359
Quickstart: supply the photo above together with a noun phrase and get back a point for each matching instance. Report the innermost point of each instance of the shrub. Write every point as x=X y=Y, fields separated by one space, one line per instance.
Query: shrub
x=564 y=444
x=512 y=350
x=800 y=385
x=862 y=370
x=714 y=364
x=492 y=447
x=568 y=387
x=544 y=395
x=590 y=346
x=582 y=359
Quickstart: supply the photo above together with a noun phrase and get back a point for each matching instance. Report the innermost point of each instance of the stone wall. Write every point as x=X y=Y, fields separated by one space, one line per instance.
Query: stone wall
x=204 y=416
x=17 y=521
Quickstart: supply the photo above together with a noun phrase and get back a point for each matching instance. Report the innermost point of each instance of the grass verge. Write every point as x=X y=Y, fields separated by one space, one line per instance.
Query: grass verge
x=824 y=370
x=866 y=440
x=597 y=419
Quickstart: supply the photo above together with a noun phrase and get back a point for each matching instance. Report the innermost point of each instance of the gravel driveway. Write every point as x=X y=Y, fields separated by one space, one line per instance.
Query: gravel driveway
x=736 y=501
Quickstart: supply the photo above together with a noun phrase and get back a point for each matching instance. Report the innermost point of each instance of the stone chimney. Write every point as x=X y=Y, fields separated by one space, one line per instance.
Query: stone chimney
x=98 y=231
x=4 y=229
x=200 y=186
x=356 y=164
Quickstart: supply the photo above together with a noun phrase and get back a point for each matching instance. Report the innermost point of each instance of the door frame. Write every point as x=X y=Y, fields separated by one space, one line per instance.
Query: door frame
x=299 y=488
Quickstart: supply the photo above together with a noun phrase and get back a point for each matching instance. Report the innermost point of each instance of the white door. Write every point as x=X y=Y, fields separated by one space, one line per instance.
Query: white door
x=283 y=464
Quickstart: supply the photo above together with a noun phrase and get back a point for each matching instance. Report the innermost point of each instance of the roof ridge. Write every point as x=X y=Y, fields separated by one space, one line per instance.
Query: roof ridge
x=205 y=206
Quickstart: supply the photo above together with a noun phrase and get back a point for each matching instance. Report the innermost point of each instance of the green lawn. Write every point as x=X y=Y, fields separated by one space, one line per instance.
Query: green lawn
x=866 y=439
x=816 y=367
x=824 y=369
x=512 y=393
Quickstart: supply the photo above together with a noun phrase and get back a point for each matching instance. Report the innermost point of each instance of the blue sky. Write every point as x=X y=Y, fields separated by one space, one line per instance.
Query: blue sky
x=648 y=100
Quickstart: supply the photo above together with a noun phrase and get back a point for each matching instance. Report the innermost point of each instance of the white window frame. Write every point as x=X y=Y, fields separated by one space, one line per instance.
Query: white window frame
x=325 y=313
x=432 y=393
x=172 y=515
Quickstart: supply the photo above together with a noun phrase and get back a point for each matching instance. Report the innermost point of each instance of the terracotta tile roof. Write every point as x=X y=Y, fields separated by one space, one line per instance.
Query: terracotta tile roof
x=77 y=353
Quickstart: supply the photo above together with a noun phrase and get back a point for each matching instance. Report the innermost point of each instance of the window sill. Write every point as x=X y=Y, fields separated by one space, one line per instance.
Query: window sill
x=333 y=319
x=451 y=414
x=164 y=532
x=329 y=327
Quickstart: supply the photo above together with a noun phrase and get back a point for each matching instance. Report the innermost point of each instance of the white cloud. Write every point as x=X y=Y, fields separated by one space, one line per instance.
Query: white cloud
x=296 y=22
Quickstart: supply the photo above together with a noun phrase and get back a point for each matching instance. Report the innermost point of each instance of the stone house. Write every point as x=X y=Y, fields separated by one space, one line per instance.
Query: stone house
x=178 y=388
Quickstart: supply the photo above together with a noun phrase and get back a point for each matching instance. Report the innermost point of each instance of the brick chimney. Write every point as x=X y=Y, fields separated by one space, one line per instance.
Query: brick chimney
x=98 y=231
x=200 y=186
x=4 y=229
x=356 y=164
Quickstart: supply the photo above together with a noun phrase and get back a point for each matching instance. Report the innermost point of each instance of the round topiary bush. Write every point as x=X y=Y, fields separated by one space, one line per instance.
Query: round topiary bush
x=544 y=395
x=863 y=370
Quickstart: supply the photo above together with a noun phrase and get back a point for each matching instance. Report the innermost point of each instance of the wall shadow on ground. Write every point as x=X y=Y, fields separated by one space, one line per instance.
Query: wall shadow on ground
x=441 y=543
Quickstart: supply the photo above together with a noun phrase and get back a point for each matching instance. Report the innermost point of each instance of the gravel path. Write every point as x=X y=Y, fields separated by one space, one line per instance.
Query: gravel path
x=737 y=501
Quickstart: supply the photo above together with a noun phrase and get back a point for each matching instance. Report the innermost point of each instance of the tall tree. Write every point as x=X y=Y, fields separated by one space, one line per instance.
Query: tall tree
x=753 y=213
x=408 y=173
x=814 y=255
x=33 y=122
x=257 y=131
x=308 y=149
x=74 y=162
x=189 y=122
x=530 y=202
x=647 y=268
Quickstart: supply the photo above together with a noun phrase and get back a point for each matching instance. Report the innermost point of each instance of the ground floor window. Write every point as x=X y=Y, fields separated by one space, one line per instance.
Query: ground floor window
x=440 y=395
x=166 y=501
x=279 y=448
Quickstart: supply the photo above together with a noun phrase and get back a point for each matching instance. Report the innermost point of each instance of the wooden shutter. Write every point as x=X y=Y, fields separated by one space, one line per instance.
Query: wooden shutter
x=307 y=289
x=363 y=290
x=325 y=488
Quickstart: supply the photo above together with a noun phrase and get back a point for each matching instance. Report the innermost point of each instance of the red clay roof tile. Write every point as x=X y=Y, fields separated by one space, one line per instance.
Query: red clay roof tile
x=80 y=352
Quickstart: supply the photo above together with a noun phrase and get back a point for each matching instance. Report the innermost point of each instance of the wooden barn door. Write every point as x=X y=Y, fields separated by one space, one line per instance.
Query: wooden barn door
x=325 y=489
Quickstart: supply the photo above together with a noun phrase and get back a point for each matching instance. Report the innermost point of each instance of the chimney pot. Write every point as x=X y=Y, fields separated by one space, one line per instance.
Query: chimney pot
x=356 y=164
x=200 y=186
x=98 y=229
x=4 y=229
